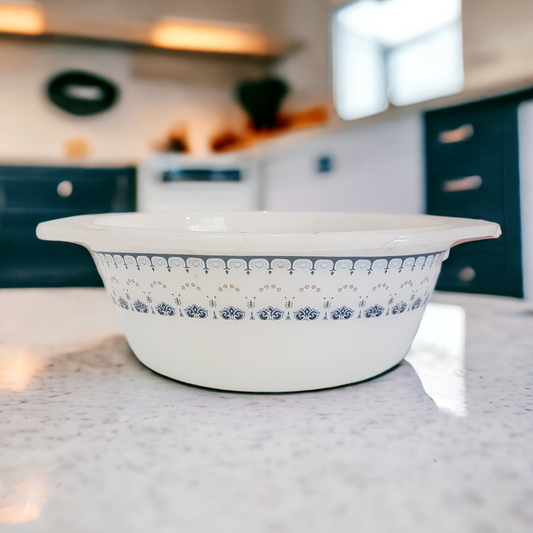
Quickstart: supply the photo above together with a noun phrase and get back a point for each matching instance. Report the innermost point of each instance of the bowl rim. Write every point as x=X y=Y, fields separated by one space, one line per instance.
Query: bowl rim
x=98 y=232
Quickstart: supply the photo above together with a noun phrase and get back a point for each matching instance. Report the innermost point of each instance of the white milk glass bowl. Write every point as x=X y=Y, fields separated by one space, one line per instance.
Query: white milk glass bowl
x=269 y=302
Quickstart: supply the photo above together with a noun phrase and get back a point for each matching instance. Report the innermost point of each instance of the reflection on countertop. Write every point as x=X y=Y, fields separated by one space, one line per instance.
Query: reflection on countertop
x=25 y=502
x=18 y=367
x=93 y=441
x=438 y=356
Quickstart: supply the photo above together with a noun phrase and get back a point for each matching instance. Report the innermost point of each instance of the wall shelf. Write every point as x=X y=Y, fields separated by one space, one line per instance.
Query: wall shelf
x=137 y=40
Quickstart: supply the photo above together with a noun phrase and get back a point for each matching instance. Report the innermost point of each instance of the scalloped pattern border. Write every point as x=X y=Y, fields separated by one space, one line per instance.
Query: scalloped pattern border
x=269 y=263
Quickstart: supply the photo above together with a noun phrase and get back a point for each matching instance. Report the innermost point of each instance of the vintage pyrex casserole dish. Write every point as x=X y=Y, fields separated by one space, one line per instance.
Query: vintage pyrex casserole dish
x=269 y=302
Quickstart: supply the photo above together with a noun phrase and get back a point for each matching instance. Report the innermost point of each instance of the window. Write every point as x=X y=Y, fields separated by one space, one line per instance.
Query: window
x=395 y=51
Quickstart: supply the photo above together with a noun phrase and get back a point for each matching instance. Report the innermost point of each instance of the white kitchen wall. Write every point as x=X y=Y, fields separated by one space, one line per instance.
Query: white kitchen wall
x=378 y=167
x=525 y=118
x=33 y=129
x=497 y=42
x=307 y=68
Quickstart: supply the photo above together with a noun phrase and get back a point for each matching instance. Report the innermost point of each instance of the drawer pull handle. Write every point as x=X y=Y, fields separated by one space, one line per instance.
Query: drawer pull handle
x=469 y=183
x=64 y=189
x=466 y=274
x=461 y=134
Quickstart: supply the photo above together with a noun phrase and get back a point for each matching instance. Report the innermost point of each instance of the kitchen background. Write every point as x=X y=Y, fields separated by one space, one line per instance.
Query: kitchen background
x=393 y=106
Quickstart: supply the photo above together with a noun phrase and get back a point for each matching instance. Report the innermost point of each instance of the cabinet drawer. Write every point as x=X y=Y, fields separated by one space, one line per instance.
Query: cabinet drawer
x=84 y=189
x=52 y=264
x=491 y=183
x=469 y=269
x=464 y=133
x=472 y=172
x=27 y=261
x=30 y=195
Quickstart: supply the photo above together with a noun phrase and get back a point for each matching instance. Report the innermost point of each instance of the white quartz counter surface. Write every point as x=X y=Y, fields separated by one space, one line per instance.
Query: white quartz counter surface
x=92 y=441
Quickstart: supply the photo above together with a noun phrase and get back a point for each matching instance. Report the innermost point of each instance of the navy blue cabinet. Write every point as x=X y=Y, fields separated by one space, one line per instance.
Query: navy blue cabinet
x=472 y=171
x=29 y=195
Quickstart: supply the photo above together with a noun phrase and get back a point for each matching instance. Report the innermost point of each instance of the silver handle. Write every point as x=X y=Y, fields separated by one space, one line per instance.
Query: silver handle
x=470 y=183
x=461 y=134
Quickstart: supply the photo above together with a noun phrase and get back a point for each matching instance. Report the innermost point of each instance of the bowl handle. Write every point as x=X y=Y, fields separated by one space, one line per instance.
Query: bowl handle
x=477 y=230
x=71 y=229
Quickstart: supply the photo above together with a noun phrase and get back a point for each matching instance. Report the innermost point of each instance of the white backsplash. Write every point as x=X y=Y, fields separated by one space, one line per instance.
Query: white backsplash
x=375 y=168
x=32 y=129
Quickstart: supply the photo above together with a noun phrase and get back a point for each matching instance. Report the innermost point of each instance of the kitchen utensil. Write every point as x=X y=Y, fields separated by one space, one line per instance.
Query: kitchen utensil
x=82 y=93
x=262 y=99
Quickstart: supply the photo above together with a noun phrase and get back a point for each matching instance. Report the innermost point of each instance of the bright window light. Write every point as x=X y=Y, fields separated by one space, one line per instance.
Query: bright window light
x=402 y=51
x=362 y=90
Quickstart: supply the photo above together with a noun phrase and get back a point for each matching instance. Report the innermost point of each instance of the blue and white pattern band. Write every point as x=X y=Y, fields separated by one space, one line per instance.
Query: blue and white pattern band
x=269 y=289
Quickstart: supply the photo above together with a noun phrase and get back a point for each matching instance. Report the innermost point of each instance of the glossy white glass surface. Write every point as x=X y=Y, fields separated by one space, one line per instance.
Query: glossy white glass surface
x=269 y=302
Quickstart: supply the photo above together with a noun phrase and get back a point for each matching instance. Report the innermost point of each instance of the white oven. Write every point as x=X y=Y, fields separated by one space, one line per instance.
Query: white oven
x=221 y=182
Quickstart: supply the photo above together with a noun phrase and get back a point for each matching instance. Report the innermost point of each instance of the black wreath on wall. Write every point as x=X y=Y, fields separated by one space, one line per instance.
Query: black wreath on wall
x=82 y=93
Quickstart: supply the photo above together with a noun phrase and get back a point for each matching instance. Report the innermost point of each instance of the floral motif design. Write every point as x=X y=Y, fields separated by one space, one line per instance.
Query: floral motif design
x=165 y=309
x=383 y=303
x=232 y=313
x=417 y=303
x=140 y=307
x=374 y=311
x=342 y=313
x=270 y=313
x=399 y=308
x=195 y=311
x=306 y=313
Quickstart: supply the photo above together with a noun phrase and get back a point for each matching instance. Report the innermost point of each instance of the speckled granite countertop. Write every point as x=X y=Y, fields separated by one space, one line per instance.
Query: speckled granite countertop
x=92 y=441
